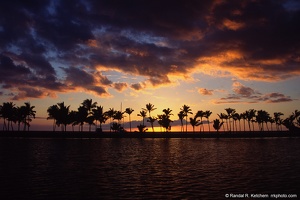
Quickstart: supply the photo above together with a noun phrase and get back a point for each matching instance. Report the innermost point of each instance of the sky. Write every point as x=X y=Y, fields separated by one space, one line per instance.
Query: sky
x=209 y=54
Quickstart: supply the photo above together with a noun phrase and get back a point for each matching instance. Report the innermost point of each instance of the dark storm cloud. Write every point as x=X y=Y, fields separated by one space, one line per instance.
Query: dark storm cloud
x=249 y=39
x=77 y=77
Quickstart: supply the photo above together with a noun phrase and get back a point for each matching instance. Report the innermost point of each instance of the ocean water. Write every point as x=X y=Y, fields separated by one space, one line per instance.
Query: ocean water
x=147 y=168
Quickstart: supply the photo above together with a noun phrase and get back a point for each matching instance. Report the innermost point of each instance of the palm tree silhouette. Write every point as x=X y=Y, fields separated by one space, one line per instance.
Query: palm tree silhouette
x=200 y=114
x=186 y=110
x=230 y=112
x=110 y=114
x=7 y=111
x=217 y=124
x=244 y=117
x=207 y=115
x=29 y=113
x=88 y=104
x=164 y=119
x=152 y=120
x=223 y=116
x=62 y=115
x=250 y=114
x=129 y=111
x=142 y=114
x=181 y=116
x=52 y=114
x=277 y=119
x=194 y=122
x=150 y=108
x=99 y=115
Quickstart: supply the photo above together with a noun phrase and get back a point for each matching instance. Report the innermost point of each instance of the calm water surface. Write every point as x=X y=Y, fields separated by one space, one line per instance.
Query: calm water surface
x=147 y=168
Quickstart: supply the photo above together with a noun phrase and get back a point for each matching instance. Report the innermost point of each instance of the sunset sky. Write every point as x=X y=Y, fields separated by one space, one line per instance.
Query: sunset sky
x=209 y=55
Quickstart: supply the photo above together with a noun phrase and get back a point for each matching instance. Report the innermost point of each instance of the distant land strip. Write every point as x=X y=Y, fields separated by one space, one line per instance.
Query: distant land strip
x=70 y=134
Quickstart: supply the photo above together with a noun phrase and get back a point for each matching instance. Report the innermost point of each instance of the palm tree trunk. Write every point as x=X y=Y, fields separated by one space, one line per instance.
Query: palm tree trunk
x=186 y=123
x=129 y=123
x=208 y=125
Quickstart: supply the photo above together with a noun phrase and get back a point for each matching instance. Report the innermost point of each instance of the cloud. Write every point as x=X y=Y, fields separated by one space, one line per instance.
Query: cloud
x=244 y=94
x=205 y=91
x=136 y=86
x=120 y=86
x=152 y=39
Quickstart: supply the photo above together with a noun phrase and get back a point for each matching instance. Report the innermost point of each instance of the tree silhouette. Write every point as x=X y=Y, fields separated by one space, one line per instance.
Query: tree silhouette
x=186 y=110
x=244 y=117
x=194 y=122
x=250 y=114
x=230 y=112
x=29 y=113
x=150 y=108
x=164 y=119
x=181 y=116
x=53 y=114
x=99 y=115
x=6 y=113
x=129 y=111
x=207 y=115
x=152 y=120
x=200 y=113
x=110 y=114
x=217 y=124
x=62 y=115
x=223 y=116
x=142 y=114
x=277 y=119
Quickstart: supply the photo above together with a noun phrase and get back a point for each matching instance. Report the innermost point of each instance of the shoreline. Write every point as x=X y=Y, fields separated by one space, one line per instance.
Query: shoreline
x=221 y=134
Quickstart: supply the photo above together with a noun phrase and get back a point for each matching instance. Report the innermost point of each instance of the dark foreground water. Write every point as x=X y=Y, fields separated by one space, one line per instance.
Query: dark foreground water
x=147 y=168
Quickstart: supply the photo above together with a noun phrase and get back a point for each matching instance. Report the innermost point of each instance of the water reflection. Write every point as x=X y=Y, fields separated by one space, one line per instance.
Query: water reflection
x=147 y=168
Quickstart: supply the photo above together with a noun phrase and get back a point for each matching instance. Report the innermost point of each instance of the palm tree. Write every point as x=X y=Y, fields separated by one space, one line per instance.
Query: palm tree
x=186 y=110
x=142 y=114
x=99 y=115
x=129 y=111
x=142 y=128
x=29 y=113
x=250 y=114
x=110 y=114
x=62 y=115
x=200 y=113
x=194 y=122
x=277 y=119
x=261 y=118
x=52 y=114
x=235 y=117
x=150 y=108
x=223 y=116
x=230 y=112
x=72 y=119
x=181 y=115
x=164 y=119
x=244 y=117
x=118 y=116
x=88 y=104
x=207 y=115
x=6 y=113
x=217 y=124
x=152 y=120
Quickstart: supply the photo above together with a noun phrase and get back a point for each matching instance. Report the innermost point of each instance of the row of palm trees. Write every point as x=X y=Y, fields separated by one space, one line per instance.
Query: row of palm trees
x=90 y=113
x=20 y=115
